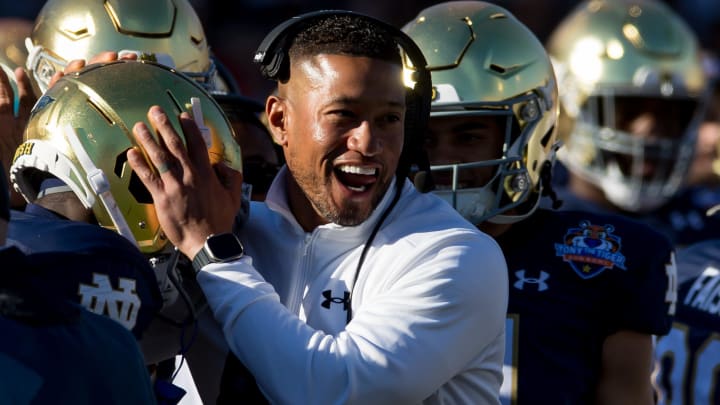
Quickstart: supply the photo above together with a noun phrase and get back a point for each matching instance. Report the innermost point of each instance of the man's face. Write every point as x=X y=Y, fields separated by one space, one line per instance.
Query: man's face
x=464 y=139
x=653 y=120
x=342 y=133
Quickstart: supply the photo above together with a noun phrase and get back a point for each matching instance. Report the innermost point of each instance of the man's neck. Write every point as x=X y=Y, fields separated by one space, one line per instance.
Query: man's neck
x=589 y=192
x=494 y=230
x=67 y=205
x=301 y=207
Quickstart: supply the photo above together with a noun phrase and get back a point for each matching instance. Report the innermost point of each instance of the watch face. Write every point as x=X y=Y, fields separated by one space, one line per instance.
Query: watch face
x=224 y=246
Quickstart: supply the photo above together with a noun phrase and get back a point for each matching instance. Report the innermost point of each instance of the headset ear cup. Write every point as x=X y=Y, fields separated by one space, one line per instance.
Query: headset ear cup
x=414 y=153
x=410 y=137
x=417 y=113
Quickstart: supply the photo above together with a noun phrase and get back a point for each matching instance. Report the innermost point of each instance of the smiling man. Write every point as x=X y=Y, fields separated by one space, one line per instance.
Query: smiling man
x=342 y=150
x=360 y=289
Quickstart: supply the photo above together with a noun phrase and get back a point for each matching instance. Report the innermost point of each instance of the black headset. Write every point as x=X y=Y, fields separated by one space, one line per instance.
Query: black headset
x=272 y=56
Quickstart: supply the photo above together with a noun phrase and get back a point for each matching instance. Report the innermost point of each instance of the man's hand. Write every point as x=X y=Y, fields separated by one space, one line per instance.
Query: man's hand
x=12 y=127
x=193 y=199
x=77 y=64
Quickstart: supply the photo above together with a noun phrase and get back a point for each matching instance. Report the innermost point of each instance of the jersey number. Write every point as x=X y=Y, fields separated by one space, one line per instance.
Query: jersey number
x=701 y=378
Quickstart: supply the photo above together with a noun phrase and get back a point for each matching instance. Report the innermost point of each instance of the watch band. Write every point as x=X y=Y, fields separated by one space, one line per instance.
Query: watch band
x=219 y=248
x=200 y=260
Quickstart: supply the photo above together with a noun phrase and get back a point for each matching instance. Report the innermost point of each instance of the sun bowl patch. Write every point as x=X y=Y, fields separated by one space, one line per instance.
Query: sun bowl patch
x=591 y=249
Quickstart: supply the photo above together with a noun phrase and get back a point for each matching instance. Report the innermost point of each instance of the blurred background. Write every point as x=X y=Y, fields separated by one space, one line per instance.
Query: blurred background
x=235 y=27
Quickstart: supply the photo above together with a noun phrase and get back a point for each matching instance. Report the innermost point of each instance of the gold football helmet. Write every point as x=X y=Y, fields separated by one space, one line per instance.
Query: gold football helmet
x=485 y=62
x=612 y=57
x=81 y=129
x=163 y=31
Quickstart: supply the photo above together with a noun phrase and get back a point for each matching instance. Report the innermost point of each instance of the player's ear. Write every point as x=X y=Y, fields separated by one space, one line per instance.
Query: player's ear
x=276 y=110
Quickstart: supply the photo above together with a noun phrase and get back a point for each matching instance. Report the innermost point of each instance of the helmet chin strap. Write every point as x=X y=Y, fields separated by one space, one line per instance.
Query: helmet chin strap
x=545 y=190
x=511 y=219
x=34 y=64
x=99 y=184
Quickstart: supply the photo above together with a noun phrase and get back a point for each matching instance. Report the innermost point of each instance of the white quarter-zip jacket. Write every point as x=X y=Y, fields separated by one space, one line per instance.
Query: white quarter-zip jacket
x=428 y=306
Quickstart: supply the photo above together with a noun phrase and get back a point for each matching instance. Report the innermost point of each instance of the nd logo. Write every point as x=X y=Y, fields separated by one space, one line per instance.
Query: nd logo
x=121 y=305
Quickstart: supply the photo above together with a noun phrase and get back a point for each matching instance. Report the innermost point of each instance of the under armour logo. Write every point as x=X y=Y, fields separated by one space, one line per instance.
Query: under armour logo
x=540 y=281
x=329 y=299
x=122 y=304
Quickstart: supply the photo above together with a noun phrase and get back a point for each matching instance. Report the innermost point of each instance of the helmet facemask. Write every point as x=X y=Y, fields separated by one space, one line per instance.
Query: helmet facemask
x=505 y=184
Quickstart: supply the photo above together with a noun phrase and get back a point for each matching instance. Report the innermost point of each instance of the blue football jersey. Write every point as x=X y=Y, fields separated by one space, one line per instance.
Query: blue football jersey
x=53 y=351
x=576 y=278
x=688 y=358
x=686 y=216
x=90 y=265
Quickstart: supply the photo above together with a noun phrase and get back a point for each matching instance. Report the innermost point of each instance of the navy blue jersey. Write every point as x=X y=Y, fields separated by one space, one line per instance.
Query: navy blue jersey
x=688 y=358
x=99 y=269
x=576 y=278
x=686 y=215
x=53 y=351
x=682 y=219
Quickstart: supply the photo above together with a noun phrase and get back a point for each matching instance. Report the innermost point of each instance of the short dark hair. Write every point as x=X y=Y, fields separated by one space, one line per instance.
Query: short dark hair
x=345 y=35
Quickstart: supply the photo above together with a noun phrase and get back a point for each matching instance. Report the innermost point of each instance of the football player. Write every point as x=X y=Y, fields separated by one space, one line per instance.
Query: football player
x=72 y=169
x=585 y=297
x=69 y=34
x=633 y=98
x=689 y=356
x=54 y=350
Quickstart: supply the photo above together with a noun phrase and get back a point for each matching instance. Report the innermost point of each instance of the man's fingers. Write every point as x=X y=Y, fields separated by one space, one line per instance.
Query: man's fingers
x=156 y=152
x=140 y=166
x=26 y=94
x=55 y=77
x=168 y=136
x=74 y=66
x=128 y=56
x=6 y=94
x=197 y=150
x=77 y=64
x=104 y=57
